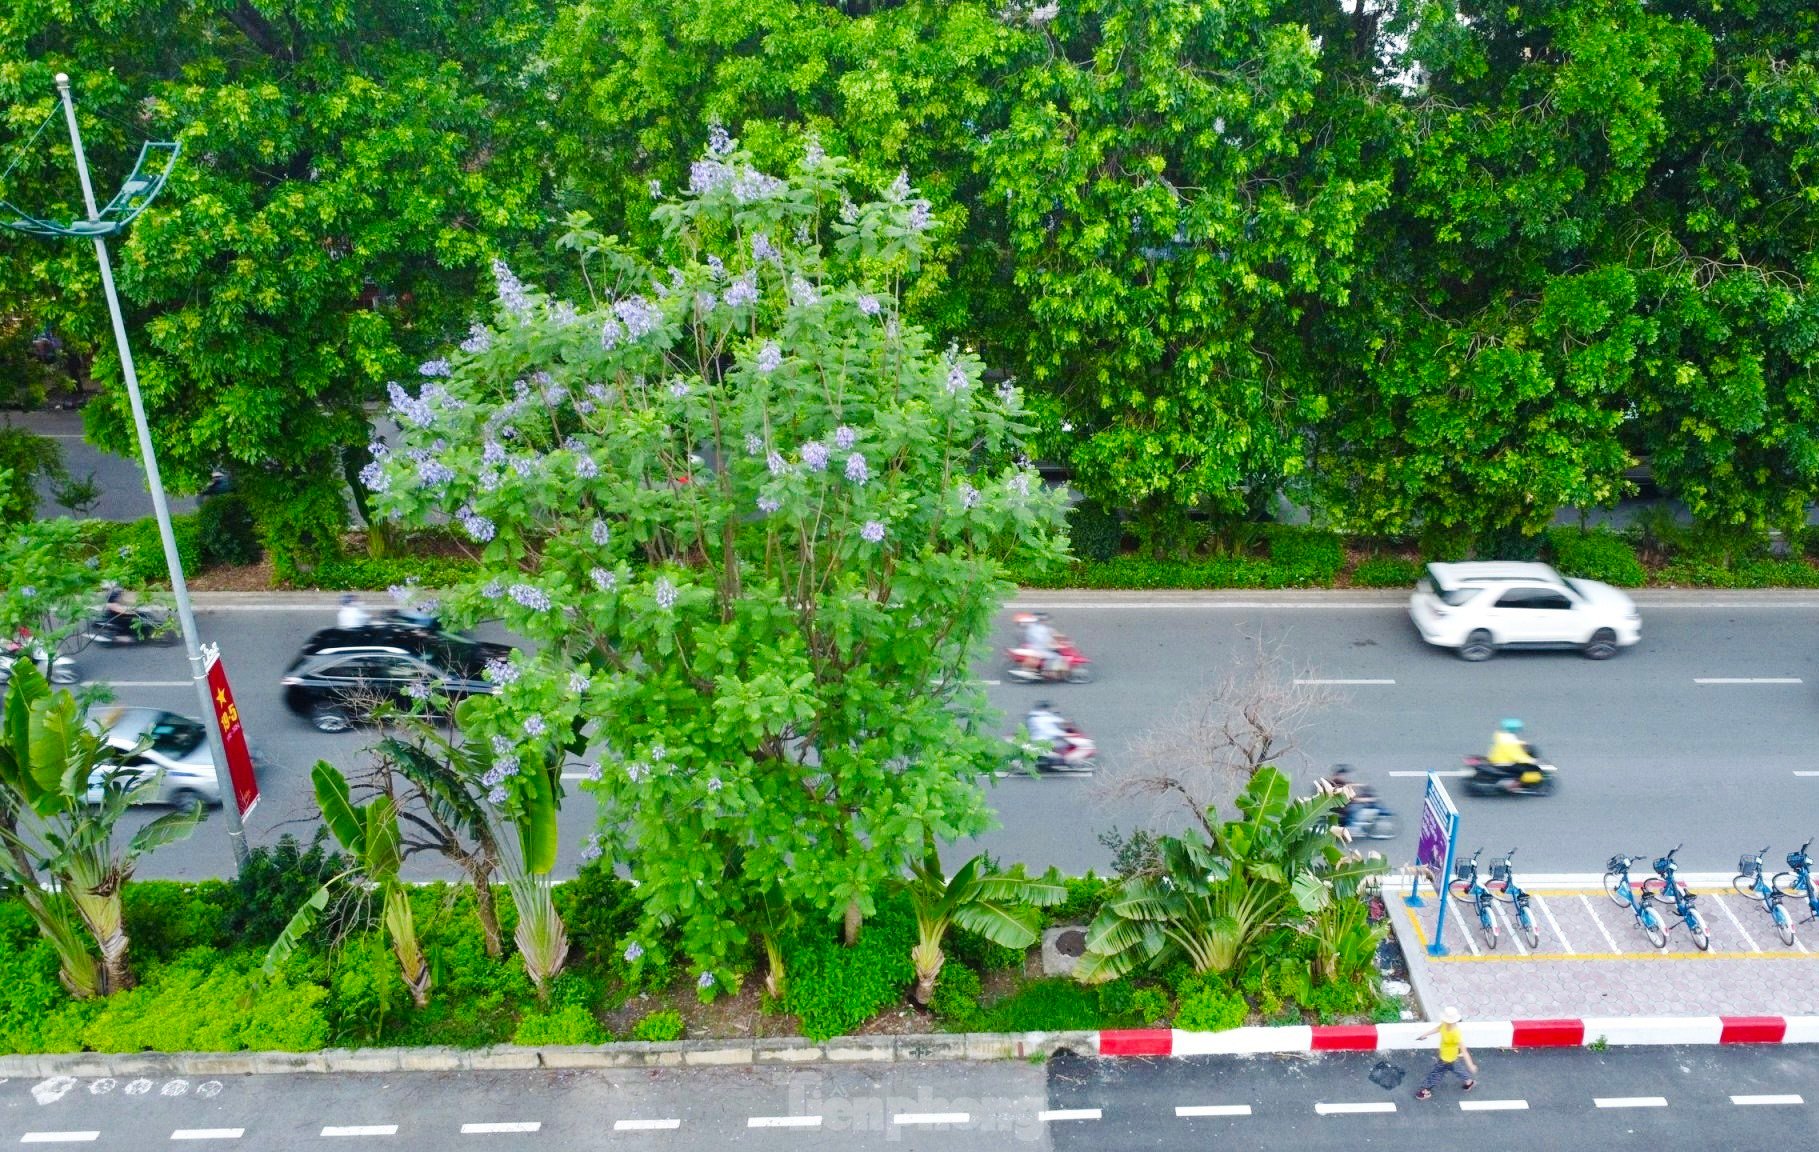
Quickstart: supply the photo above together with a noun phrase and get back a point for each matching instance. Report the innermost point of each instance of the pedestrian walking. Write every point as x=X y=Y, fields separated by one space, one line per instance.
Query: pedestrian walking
x=1453 y=1052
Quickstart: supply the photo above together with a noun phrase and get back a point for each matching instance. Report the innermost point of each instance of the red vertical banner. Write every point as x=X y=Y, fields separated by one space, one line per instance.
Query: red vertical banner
x=233 y=737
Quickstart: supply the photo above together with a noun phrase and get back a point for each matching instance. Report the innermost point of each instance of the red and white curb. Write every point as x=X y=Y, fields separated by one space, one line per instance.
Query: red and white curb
x=1575 y=1032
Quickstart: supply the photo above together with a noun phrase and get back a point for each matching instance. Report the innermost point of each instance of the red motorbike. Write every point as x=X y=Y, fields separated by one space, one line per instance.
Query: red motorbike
x=1027 y=665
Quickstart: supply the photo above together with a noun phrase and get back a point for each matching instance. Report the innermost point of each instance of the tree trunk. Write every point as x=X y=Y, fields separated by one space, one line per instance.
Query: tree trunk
x=928 y=969
x=776 y=982
x=103 y=917
x=486 y=908
x=855 y=919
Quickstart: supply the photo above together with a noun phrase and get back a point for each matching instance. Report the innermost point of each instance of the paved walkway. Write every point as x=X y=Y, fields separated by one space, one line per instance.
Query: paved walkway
x=1593 y=960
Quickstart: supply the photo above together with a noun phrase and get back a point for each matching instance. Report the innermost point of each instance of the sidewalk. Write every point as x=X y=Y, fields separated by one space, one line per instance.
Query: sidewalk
x=1592 y=959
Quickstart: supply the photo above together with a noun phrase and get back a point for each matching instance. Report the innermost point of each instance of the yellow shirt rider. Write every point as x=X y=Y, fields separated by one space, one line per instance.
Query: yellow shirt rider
x=1514 y=756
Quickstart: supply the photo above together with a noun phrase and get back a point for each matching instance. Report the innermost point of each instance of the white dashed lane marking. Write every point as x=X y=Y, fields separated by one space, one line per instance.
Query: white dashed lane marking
x=1324 y=1109
x=646 y=1125
x=361 y=1130
x=502 y=1129
x=1347 y=683
x=1054 y=1114
x=783 y=1122
x=1746 y=679
x=1493 y=1105
x=1630 y=1101
x=1448 y=774
x=59 y=1137
x=1187 y=1110
x=1789 y=1098
x=907 y=1118
x=208 y=1134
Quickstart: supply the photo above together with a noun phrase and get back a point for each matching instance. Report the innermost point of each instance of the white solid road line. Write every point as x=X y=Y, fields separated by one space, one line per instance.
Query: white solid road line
x=1351 y=1109
x=646 y=1125
x=1746 y=680
x=783 y=1122
x=361 y=1130
x=59 y=1137
x=1790 y=1098
x=1345 y=682
x=1070 y=1114
x=501 y=1129
x=1493 y=1105
x=906 y=1118
x=1630 y=1101
x=208 y=1134
x=1213 y=1110
x=1449 y=773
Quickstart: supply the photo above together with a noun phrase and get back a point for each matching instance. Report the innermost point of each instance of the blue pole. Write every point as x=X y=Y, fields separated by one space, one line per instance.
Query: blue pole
x=1446 y=886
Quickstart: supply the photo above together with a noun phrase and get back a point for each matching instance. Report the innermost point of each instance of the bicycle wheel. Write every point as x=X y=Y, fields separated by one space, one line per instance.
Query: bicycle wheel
x=1529 y=932
x=1787 y=885
x=1784 y=925
x=1744 y=885
x=1613 y=884
x=1651 y=927
x=1701 y=938
x=1487 y=927
x=1460 y=890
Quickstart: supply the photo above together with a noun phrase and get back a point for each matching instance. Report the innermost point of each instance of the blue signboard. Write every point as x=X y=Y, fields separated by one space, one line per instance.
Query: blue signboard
x=1439 y=837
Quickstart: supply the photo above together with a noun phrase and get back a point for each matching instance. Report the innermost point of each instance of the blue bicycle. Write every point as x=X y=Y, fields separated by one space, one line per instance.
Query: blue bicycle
x=1622 y=891
x=1668 y=888
x=1799 y=882
x=1751 y=886
x=1503 y=876
x=1467 y=887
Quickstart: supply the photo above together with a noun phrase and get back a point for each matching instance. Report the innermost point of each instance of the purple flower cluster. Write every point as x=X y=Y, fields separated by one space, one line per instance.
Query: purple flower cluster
x=754 y=444
x=594 y=773
x=763 y=249
x=408 y=409
x=417 y=690
x=768 y=504
x=873 y=532
x=1007 y=394
x=666 y=593
x=803 y=293
x=634 y=952
x=969 y=495
x=656 y=187
x=812 y=155
x=435 y=368
x=705 y=982
x=770 y=357
x=478 y=527
x=497 y=796
x=849 y=211
x=433 y=473
x=956 y=380
x=845 y=438
x=585 y=467
x=869 y=306
x=1020 y=484
x=741 y=293
x=716 y=267
x=603 y=579
x=678 y=388
x=900 y=187
x=601 y=533
x=637 y=771
x=714 y=784
x=512 y=296
x=776 y=463
x=719 y=141
x=751 y=185
x=492 y=454
x=373 y=477
x=579 y=683
x=591 y=850
x=534 y=725
x=920 y=217
x=492 y=590
x=856 y=469
x=704 y=302
x=501 y=671
x=479 y=340
x=610 y=334
x=530 y=596
x=814 y=456
x=641 y=317
x=706 y=175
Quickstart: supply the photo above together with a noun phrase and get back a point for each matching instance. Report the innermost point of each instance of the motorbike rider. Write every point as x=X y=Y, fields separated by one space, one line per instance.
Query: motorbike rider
x=351 y=614
x=116 y=602
x=1512 y=758
x=1047 y=728
x=1360 y=800
x=1040 y=637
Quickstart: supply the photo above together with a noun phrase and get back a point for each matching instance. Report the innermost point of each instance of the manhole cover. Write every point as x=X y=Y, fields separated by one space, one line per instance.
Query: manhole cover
x=1071 y=943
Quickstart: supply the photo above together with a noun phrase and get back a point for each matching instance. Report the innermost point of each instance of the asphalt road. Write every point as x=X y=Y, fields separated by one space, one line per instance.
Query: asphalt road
x=1649 y=757
x=1692 y=1098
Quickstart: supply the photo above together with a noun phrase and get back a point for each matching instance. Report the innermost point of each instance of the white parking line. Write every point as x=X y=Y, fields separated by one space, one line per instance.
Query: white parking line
x=1450 y=773
x=1789 y=1098
x=1351 y=1109
x=783 y=1122
x=1725 y=907
x=1464 y=932
x=1553 y=924
x=361 y=1130
x=59 y=1137
x=1493 y=1105
x=1746 y=679
x=1630 y=1101
x=1342 y=681
x=646 y=1125
x=502 y=1129
x=1505 y=924
x=1069 y=1114
x=907 y=1118
x=1602 y=930
x=208 y=1134
x=1213 y=1110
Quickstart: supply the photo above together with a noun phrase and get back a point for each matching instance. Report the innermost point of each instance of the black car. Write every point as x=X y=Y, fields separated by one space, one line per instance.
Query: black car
x=344 y=673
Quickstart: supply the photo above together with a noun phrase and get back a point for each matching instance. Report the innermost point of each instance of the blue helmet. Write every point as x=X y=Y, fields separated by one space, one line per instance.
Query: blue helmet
x=1512 y=725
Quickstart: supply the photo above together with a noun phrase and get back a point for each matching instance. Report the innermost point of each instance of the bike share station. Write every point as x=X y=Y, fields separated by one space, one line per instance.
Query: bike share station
x=1498 y=944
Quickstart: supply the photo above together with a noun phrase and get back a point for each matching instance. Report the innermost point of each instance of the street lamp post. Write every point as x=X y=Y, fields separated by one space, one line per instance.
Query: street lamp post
x=186 y=617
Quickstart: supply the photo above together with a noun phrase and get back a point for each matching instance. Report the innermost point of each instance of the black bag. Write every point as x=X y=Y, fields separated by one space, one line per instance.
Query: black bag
x=1386 y=1075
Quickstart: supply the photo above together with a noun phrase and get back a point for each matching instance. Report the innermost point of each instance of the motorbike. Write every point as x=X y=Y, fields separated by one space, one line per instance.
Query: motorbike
x=1027 y=664
x=130 y=628
x=1368 y=818
x=58 y=670
x=1487 y=780
x=1074 y=758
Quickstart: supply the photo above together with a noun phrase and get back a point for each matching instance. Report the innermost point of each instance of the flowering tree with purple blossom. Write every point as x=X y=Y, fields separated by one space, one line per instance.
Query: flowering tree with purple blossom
x=772 y=582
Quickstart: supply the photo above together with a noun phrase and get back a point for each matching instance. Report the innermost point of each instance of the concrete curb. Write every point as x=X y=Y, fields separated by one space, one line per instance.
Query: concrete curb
x=1577 y=1032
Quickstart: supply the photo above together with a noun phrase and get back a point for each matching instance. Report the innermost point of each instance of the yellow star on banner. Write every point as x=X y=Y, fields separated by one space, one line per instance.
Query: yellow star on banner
x=221 y=696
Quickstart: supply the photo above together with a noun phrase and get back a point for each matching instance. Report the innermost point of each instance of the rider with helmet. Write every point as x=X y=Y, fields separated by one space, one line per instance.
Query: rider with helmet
x=351 y=614
x=1046 y=727
x=1039 y=637
x=1512 y=758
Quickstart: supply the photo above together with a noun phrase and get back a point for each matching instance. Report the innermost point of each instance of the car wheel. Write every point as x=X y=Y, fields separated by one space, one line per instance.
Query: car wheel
x=187 y=799
x=1602 y=645
x=1478 y=646
x=64 y=674
x=328 y=718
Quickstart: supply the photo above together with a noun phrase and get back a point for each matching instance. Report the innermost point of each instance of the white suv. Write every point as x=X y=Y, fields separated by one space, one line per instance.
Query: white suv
x=1480 y=607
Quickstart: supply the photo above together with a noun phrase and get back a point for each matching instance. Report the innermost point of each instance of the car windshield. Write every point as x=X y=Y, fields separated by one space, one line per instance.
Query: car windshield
x=453 y=653
x=175 y=736
x=1452 y=596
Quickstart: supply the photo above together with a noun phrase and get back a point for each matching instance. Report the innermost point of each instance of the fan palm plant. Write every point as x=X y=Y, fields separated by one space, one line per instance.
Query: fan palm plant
x=49 y=759
x=1000 y=906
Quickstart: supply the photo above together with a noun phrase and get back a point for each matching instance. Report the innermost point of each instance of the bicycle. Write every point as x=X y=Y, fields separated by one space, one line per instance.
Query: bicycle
x=1799 y=882
x=1671 y=888
x=1467 y=887
x=1622 y=891
x=1749 y=884
x=1503 y=875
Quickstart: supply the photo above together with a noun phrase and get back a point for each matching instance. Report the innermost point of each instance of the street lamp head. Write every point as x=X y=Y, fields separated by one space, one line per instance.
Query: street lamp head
x=63 y=79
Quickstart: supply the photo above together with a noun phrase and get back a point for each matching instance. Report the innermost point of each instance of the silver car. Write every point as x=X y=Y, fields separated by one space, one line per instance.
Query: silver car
x=174 y=745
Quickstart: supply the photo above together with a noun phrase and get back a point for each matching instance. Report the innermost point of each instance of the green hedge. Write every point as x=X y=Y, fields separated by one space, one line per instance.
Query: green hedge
x=1598 y=554
x=367 y=573
x=1745 y=574
x=1386 y=572
x=132 y=554
x=1298 y=558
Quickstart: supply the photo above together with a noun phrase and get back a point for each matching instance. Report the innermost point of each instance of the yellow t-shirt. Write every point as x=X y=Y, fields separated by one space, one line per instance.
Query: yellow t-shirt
x=1449 y=1042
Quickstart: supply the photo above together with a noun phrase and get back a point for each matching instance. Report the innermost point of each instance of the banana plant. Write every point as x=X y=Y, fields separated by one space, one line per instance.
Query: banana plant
x=1000 y=906
x=369 y=834
x=49 y=758
x=1209 y=902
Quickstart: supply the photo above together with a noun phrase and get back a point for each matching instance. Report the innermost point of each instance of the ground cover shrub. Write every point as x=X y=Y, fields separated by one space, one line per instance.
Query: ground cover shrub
x=370 y=573
x=1095 y=531
x=1304 y=557
x=1152 y=1005
x=1596 y=554
x=833 y=989
x=956 y=999
x=163 y=920
x=1056 y=1004
x=1694 y=573
x=1386 y=572
x=1084 y=896
x=1209 y=1004
x=224 y=531
x=274 y=884
x=569 y=1024
x=210 y=1001
x=660 y=1026
x=132 y=553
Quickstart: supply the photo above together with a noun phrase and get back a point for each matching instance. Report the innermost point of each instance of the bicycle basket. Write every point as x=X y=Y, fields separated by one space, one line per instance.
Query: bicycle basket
x=1747 y=863
x=1663 y=864
x=1797 y=861
x=1617 y=864
x=1500 y=872
x=1462 y=871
